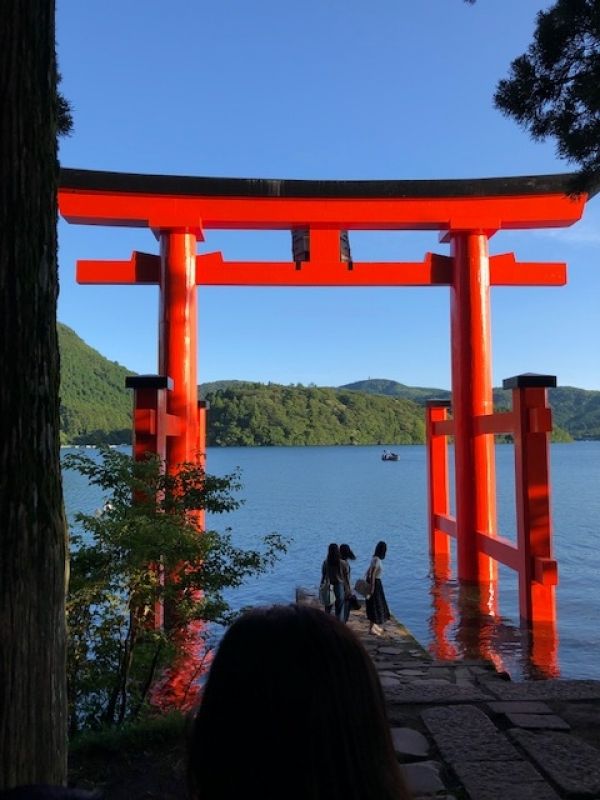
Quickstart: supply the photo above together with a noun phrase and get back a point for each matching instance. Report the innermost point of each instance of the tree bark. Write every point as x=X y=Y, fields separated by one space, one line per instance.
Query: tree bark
x=32 y=524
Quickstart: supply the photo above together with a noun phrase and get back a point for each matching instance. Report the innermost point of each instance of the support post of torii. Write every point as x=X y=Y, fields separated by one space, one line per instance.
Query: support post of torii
x=177 y=350
x=471 y=397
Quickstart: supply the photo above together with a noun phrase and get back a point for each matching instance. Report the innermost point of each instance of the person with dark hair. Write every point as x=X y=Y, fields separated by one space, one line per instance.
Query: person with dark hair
x=346 y=552
x=334 y=570
x=376 y=605
x=346 y=556
x=292 y=708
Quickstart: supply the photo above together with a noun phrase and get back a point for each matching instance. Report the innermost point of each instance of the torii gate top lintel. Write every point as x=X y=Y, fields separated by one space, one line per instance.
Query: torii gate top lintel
x=158 y=201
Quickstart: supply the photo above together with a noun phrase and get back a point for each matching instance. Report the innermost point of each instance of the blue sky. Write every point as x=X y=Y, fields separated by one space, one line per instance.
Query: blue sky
x=315 y=89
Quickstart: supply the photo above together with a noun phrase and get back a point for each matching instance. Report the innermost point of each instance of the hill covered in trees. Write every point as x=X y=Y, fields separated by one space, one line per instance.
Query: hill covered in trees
x=259 y=414
x=96 y=407
x=576 y=411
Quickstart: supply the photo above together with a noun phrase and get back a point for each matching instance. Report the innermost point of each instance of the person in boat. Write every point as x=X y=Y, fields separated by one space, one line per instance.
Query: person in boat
x=293 y=708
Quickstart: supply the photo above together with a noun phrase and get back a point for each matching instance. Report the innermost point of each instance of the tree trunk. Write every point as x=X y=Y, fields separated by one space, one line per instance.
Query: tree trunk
x=32 y=525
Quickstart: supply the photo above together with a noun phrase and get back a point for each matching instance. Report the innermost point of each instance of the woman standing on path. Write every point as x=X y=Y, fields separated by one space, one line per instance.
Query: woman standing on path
x=346 y=555
x=334 y=570
x=377 y=608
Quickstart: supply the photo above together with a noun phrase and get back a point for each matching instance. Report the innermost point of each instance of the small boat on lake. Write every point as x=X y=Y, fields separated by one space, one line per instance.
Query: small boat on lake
x=387 y=456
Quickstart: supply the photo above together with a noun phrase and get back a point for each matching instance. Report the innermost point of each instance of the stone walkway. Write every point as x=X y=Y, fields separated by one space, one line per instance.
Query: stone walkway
x=462 y=730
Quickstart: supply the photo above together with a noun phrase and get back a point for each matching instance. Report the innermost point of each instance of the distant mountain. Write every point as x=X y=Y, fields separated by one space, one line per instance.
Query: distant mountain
x=390 y=388
x=95 y=406
x=218 y=386
x=576 y=411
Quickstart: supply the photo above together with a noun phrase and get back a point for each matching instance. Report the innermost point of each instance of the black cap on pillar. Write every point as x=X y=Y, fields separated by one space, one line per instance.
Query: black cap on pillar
x=529 y=380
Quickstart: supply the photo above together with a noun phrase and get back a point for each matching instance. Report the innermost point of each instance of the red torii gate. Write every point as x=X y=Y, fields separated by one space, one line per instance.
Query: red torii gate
x=465 y=212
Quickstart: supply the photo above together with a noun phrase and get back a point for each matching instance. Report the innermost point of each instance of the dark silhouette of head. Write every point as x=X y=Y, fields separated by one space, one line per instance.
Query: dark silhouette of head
x=346 y=552
x=292 y=708
x=380 y=550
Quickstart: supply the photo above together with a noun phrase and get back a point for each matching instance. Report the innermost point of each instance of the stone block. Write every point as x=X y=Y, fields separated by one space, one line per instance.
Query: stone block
x=546 y=690
x=437 y=797
x=463 y=674
x=412 y=672
x=464 y=733
x=388 y=682
x=408 y=742
x=573 y=765
x=549 y=722
x=440 y=672
x=451 y=693
x=423 y=778
x=520 y=707
x=384 y=665
x=505 y=780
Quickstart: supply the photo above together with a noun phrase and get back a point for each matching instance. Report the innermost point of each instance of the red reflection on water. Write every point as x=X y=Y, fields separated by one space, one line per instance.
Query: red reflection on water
x=443 y=616
x=465 y=624
x=543 y=650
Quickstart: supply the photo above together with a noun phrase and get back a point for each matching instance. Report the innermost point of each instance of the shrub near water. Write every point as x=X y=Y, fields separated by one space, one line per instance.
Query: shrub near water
x=115 y=653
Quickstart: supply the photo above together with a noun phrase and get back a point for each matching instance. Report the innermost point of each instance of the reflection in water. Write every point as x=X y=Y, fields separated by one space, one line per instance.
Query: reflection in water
x=465 y=624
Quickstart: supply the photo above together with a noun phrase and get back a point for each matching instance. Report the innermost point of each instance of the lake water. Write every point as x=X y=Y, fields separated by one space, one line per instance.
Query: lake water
x=317 y=495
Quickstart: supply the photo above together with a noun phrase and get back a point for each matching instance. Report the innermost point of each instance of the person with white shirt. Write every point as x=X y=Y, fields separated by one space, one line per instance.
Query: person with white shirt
x=377 y=609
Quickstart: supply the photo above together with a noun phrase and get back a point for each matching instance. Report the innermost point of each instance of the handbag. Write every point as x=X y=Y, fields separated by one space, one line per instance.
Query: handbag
x=326 y=594
x=362 y=587
x=354 y=603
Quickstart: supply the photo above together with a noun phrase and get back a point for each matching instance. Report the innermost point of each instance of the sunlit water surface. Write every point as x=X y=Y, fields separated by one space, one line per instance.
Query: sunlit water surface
x=317 y=495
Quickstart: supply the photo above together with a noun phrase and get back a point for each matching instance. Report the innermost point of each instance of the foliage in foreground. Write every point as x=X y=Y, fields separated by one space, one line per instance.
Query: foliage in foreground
x=130 y=556
x=134 y=736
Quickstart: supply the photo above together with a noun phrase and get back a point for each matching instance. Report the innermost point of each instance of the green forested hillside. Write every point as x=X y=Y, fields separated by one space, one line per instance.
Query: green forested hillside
x=214 y=386
x=418 y=394
x=259 y=414
x=95 y=406
x=575 y=411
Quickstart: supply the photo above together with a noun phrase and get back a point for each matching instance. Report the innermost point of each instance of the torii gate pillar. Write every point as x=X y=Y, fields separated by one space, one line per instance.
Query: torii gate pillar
x=472 y=397
x=177 y=349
